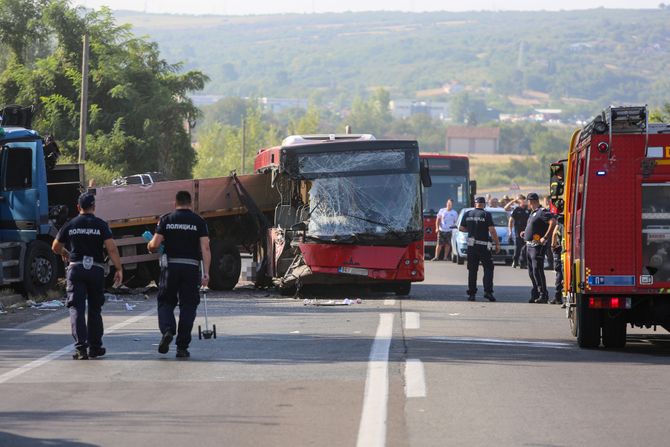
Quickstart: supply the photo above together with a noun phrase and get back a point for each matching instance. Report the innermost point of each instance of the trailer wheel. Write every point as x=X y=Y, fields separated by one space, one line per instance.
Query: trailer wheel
x=224 y=272
x=614 y=331
x=588 y=325
x=40 y=269
x=403 y=288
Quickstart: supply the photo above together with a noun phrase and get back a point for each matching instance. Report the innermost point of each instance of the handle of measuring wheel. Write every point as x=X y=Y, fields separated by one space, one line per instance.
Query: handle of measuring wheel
x=203 y=289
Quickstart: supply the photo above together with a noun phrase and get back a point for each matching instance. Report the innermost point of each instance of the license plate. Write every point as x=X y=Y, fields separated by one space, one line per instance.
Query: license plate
x=353 y=271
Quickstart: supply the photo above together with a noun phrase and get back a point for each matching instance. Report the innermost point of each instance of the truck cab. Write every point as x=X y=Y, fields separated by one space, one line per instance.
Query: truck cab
x=34 y=203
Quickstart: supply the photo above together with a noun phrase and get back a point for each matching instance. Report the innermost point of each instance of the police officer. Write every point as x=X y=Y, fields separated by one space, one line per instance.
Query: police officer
x=517 y=223
x=186 y=240
x=80 y=243
x=538 y=231
x=479 y=224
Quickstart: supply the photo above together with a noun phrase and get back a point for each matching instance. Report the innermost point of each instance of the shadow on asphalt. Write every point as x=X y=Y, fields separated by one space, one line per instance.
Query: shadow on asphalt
x=13 y=440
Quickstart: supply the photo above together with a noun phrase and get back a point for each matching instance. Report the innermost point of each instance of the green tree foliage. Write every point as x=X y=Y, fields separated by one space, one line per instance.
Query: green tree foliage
x=139 y=111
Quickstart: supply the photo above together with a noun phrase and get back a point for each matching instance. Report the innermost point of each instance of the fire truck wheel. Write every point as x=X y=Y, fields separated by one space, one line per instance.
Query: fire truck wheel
x=588 y=325
x=403 y=288
x=40 y=269
x=224 y=272
x=614 y=332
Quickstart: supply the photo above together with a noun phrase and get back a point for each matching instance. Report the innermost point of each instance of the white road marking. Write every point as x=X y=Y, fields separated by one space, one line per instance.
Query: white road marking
x=389 y=302
x=501 y=342
x=9 y=375
x=372 y=430
x=13 y=329
x=415 y=378
x=412 y=320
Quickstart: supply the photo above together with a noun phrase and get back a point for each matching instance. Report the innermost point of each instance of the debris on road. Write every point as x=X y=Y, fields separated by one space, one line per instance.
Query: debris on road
x=344 y=302
x=47 y=305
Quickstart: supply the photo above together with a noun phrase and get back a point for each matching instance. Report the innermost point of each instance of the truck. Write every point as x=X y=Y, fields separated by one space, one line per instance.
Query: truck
x=34 y=203
x=350 y=212
x=36 y=200
x=613 y=193
x=450 y=177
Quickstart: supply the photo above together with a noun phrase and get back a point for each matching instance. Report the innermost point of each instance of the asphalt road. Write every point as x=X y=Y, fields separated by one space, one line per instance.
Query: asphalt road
x=431 y=370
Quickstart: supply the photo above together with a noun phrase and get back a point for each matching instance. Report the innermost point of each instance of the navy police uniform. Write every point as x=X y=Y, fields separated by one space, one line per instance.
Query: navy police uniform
x=520 y=215
x=84 y=237
x=477 y=221
x=180 y=278
x=537 y=227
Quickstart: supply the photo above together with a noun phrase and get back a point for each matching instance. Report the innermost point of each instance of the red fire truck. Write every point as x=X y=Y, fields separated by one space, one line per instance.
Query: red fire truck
x=614 y=191
x=350 y=212
x=450 y=176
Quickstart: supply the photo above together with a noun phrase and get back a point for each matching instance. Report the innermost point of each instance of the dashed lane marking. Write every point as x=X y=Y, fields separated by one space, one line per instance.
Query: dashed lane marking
x=415 y=379
x=9 y=375
x=389 y=302
x=412 y=320
x=372 y=429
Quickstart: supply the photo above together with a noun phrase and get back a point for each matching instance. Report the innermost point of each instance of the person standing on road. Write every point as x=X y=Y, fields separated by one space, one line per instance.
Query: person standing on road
x=446 y=221
x=186 y=240
x=537 y=233
x=517 y=223
x=80 y=243
x=479 y=225
x=557 y=250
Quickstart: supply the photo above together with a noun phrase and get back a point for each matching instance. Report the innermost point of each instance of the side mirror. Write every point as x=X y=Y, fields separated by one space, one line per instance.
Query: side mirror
x=473 y=187
x=300 y=226
x=557 y=182
x=426 y=181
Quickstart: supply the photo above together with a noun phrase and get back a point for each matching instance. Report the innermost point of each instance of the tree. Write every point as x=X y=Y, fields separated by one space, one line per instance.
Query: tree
x=140 y=113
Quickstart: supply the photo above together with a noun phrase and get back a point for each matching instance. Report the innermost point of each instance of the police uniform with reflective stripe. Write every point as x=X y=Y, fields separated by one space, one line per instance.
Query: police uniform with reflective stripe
x=180 y=272
x=84 y=237
x=477 y=221
x=538 y=224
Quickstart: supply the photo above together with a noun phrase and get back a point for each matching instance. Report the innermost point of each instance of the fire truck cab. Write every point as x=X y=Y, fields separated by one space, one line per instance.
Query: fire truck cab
x=614 y=193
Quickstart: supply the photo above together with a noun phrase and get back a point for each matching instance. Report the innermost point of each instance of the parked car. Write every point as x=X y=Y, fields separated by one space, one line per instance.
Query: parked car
x=147 y=178
x=459 y=239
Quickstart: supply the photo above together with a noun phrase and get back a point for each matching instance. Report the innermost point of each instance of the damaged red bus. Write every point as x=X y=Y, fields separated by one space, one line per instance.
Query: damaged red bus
x=349 y=213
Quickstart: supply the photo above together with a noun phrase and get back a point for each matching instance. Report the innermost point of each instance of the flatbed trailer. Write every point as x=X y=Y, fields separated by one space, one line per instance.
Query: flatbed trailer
x=133 y=209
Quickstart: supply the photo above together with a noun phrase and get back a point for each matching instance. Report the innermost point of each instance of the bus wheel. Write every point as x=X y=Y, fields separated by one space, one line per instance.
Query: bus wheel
x=40 y=269
x=588 y=325
x=403 y=288
x=614 y=331
x=224 y=271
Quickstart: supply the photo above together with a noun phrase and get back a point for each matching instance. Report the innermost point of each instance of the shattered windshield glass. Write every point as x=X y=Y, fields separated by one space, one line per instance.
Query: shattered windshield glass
x=385 y=206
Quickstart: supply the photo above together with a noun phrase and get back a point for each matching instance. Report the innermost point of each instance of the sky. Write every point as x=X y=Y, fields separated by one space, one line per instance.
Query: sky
x=237 y=7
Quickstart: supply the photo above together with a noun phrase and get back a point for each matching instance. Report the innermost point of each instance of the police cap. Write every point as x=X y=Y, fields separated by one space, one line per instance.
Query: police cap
x=480 y=200
x=533 y=196
x=86 y=200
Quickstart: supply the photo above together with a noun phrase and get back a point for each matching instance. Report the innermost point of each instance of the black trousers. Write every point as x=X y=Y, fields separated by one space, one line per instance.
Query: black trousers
x=179 y=285
x=558 y=268
x=480 y=254
x=519 y=250
x=536 y=256
x=85 y=286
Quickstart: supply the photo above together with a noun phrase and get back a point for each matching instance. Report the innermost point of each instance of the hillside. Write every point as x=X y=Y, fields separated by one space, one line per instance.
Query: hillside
x=515 y=60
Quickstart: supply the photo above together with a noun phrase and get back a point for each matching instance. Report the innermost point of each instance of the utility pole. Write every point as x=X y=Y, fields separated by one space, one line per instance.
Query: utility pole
x=244 y=139
x=83 y=107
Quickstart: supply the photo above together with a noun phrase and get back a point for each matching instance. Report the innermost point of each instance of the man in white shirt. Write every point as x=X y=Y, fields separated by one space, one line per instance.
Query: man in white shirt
x=445 y=223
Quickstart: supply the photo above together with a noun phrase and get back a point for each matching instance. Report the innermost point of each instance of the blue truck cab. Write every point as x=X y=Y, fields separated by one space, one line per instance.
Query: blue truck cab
x=34 y=203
